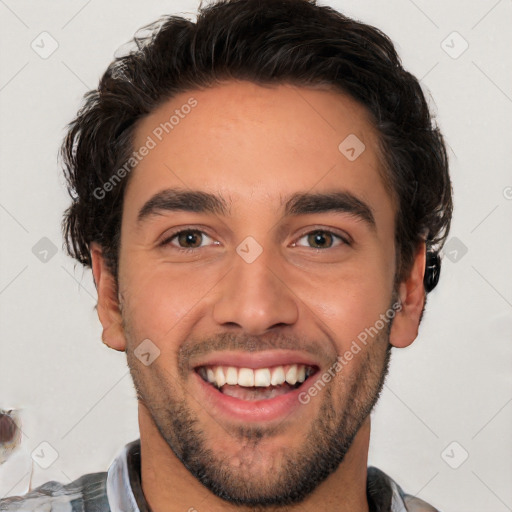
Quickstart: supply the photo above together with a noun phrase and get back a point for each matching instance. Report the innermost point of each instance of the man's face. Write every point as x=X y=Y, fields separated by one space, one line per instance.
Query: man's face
x=260 y=286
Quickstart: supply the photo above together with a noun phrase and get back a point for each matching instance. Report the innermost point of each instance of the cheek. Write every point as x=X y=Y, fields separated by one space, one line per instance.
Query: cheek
x=349 y=302
x=162 y=300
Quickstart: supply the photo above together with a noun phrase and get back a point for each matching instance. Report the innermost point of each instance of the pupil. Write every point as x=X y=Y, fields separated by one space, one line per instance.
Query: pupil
x=318 y=237
x=188 y=237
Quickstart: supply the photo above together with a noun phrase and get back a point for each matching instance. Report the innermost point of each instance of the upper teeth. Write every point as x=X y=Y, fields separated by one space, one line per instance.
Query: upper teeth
x=263 y=377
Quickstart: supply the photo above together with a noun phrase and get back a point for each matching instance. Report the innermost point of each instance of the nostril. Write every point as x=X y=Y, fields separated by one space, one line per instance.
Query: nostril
x=8 y=428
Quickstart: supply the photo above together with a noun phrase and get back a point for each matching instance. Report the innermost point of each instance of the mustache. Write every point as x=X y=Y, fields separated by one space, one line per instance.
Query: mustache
x=191 y=350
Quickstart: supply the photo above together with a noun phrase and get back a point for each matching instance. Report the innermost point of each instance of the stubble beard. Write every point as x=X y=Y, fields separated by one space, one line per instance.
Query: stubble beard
x=293 y=475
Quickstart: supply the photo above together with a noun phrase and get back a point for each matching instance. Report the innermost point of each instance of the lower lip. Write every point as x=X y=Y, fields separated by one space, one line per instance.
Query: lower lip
x=275 y=408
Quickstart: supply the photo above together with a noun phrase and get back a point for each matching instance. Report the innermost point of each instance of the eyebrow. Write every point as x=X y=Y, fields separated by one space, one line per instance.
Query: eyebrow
x=300 y=203
x=182 y=200
x=338 y=201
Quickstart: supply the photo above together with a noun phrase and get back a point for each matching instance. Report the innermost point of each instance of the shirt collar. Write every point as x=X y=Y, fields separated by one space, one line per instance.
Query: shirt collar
x=124 y=488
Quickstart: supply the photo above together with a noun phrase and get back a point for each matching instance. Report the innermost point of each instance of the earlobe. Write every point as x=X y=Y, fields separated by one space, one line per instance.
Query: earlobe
x=404 y=329
x=109 y=313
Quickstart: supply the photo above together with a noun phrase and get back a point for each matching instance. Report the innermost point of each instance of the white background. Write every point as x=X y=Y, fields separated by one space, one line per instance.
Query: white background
x=453 y=384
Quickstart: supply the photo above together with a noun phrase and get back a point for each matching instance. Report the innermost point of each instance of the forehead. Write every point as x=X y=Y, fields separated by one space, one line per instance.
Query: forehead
x=255 y=143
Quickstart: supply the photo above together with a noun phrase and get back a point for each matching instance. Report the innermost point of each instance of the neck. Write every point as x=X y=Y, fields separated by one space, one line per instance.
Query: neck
x=168 y=486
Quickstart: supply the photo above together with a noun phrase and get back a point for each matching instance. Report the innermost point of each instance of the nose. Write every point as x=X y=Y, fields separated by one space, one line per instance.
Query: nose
x=255 y=297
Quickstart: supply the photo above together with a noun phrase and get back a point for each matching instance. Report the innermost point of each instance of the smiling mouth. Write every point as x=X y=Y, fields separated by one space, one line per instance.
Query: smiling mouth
x=258 y=383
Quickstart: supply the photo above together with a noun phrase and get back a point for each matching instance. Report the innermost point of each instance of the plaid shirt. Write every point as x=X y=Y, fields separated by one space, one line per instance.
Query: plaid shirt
x=120 y=490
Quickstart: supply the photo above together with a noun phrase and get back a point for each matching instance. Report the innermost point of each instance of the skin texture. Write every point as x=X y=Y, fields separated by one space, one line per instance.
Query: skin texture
x=254 y=146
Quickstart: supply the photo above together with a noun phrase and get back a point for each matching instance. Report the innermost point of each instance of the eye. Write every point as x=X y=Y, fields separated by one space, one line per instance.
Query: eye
x=187 y=239
x=322 y=239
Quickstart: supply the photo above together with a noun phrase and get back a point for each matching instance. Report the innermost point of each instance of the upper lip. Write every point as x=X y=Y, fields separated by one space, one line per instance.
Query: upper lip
x=258 y=359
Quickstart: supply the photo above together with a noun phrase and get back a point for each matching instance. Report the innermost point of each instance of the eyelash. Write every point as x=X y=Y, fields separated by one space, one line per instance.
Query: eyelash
x=343 y=239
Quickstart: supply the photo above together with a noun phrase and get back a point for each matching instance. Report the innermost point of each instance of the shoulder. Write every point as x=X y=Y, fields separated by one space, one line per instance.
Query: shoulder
x=414 y=504
x=87 y=493
x=382 y=487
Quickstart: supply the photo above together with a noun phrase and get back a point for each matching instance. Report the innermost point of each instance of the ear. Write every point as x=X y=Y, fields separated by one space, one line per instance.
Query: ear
x=411 y=292
x=108 y=303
